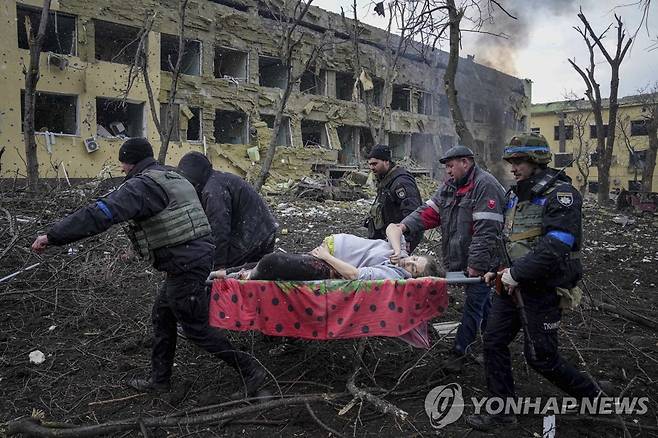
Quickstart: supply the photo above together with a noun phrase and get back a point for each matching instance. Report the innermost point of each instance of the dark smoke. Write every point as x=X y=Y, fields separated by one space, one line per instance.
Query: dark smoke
x=500 y=53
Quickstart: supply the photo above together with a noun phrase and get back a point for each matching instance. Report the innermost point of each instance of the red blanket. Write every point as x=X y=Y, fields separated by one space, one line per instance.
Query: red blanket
x=332 y=309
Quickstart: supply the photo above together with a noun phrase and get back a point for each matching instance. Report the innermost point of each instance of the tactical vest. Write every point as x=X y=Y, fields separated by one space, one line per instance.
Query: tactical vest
x=523 y=224
x=376 y=214
x=181 y=221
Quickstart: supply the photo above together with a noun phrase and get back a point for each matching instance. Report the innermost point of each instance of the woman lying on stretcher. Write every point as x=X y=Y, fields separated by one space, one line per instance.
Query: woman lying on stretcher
x=341 y=256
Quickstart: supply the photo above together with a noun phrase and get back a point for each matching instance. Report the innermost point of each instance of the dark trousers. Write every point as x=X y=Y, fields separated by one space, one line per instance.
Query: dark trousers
x=474 y=316
x=266 y=247
x=300 y=267
x=183 y=298
x=503 y=324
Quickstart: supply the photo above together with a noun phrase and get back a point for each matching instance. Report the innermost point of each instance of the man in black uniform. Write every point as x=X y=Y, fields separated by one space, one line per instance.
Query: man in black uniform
x=543 y=238
x=168 y=226
x=243 y=227
x=397 y=196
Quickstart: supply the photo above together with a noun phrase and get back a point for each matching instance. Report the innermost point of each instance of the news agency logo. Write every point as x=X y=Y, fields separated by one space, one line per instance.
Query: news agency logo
x=444 y=405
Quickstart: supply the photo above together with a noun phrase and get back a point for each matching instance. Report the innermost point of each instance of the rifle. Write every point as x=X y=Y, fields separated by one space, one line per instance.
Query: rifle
x=516 y=295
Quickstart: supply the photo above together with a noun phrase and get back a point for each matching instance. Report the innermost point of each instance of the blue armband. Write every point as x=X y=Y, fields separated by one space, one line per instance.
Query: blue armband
x=103 y=207
x=564 y=237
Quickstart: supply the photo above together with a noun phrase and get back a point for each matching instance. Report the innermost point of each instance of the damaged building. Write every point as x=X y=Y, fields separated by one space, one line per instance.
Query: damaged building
x=231 y=81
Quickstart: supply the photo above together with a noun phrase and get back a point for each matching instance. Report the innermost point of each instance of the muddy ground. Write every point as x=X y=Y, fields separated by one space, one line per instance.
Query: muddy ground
x=88 y=311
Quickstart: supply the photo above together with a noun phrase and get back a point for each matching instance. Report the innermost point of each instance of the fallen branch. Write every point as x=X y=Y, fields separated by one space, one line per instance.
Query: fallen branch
x=633 y=317
x=35 y=427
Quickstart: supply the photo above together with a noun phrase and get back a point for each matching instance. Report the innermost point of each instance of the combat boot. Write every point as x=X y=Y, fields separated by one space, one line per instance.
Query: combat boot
x=253 y=376
x=144 y=385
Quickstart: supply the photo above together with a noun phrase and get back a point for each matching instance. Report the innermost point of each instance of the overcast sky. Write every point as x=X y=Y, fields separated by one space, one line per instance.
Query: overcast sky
x=542 y=39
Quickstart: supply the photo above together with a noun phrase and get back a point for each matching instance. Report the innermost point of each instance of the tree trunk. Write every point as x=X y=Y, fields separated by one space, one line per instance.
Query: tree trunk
x=465 y=136
x=271 y=149
x=166 y=136
x=31 y=80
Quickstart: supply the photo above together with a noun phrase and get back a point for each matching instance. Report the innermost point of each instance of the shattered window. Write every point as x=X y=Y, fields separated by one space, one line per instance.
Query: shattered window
x=568 y=132
x=366 y=142
x=535 y=131
x=115 y=42
x=56 y=113
x=593 y=187
x=401 y=98
x=638 y=127
x=231 y=64
x=194 y=124
x=115 y=118
x=271 y=73
x=283 y=137
x=423 y=102
x=593 y=159
x=191 y=62
x=314 y=134
x=231 y=127
x=344 y=85
x=60 y=33
x=312 y=82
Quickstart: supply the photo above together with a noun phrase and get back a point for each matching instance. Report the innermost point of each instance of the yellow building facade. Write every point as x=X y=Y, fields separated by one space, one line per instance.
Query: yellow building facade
x=569 y=127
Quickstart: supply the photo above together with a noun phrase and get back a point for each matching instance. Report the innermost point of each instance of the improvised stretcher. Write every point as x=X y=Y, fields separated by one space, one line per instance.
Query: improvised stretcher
x=332 y=309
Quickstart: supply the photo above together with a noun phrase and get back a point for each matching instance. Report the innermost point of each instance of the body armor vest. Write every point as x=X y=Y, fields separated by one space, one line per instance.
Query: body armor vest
x=523 y=224
x=181 y=221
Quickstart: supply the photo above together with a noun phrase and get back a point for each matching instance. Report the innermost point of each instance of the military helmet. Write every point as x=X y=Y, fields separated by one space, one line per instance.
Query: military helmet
x=531 y=147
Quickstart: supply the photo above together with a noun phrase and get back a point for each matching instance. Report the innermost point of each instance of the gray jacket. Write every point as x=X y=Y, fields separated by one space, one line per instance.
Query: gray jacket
x=470 y=213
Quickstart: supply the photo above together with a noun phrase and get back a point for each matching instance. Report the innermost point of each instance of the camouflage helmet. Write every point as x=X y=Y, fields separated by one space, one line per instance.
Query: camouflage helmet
x=531 y=147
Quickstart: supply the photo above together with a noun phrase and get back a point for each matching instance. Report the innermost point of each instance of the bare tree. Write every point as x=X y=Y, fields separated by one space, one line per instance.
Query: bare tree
x=289 y=18
x=32 y=75
x=579 y=119
x=140 y=66
x=604 y=145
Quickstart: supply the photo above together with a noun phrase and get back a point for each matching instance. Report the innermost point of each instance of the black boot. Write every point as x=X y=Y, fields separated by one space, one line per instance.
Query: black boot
x=485 y=422
x=253 y=376
x=144 y=385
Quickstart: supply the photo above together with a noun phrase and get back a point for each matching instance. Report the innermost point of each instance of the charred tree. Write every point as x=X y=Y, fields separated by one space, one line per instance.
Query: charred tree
x=32 y=75
x=605 y=144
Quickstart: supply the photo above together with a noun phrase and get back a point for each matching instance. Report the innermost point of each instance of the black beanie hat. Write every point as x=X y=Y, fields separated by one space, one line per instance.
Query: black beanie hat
x=380 y=152
x=195 y=167
x=134 y=150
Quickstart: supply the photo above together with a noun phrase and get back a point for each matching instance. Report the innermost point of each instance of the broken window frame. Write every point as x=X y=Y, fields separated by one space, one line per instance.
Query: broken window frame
x=285 y=126
x=422 y=149
x=324 y=135
x=272 y=61
x=320 y=80
x=164 y=119
x=198 y=114
x=52 y=42
x=346 y=90
x=348 y=155
x=164 y=60
x=424 y=102
x=230 y=50
x=402 y=103
x=129 y=128
x=637 y=160
x=245 y=128
x=124 y=54
x=593 y=159
x=40 y=111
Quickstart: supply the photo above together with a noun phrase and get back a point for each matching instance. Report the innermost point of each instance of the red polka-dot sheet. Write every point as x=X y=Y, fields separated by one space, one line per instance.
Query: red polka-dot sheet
x=331 y=309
